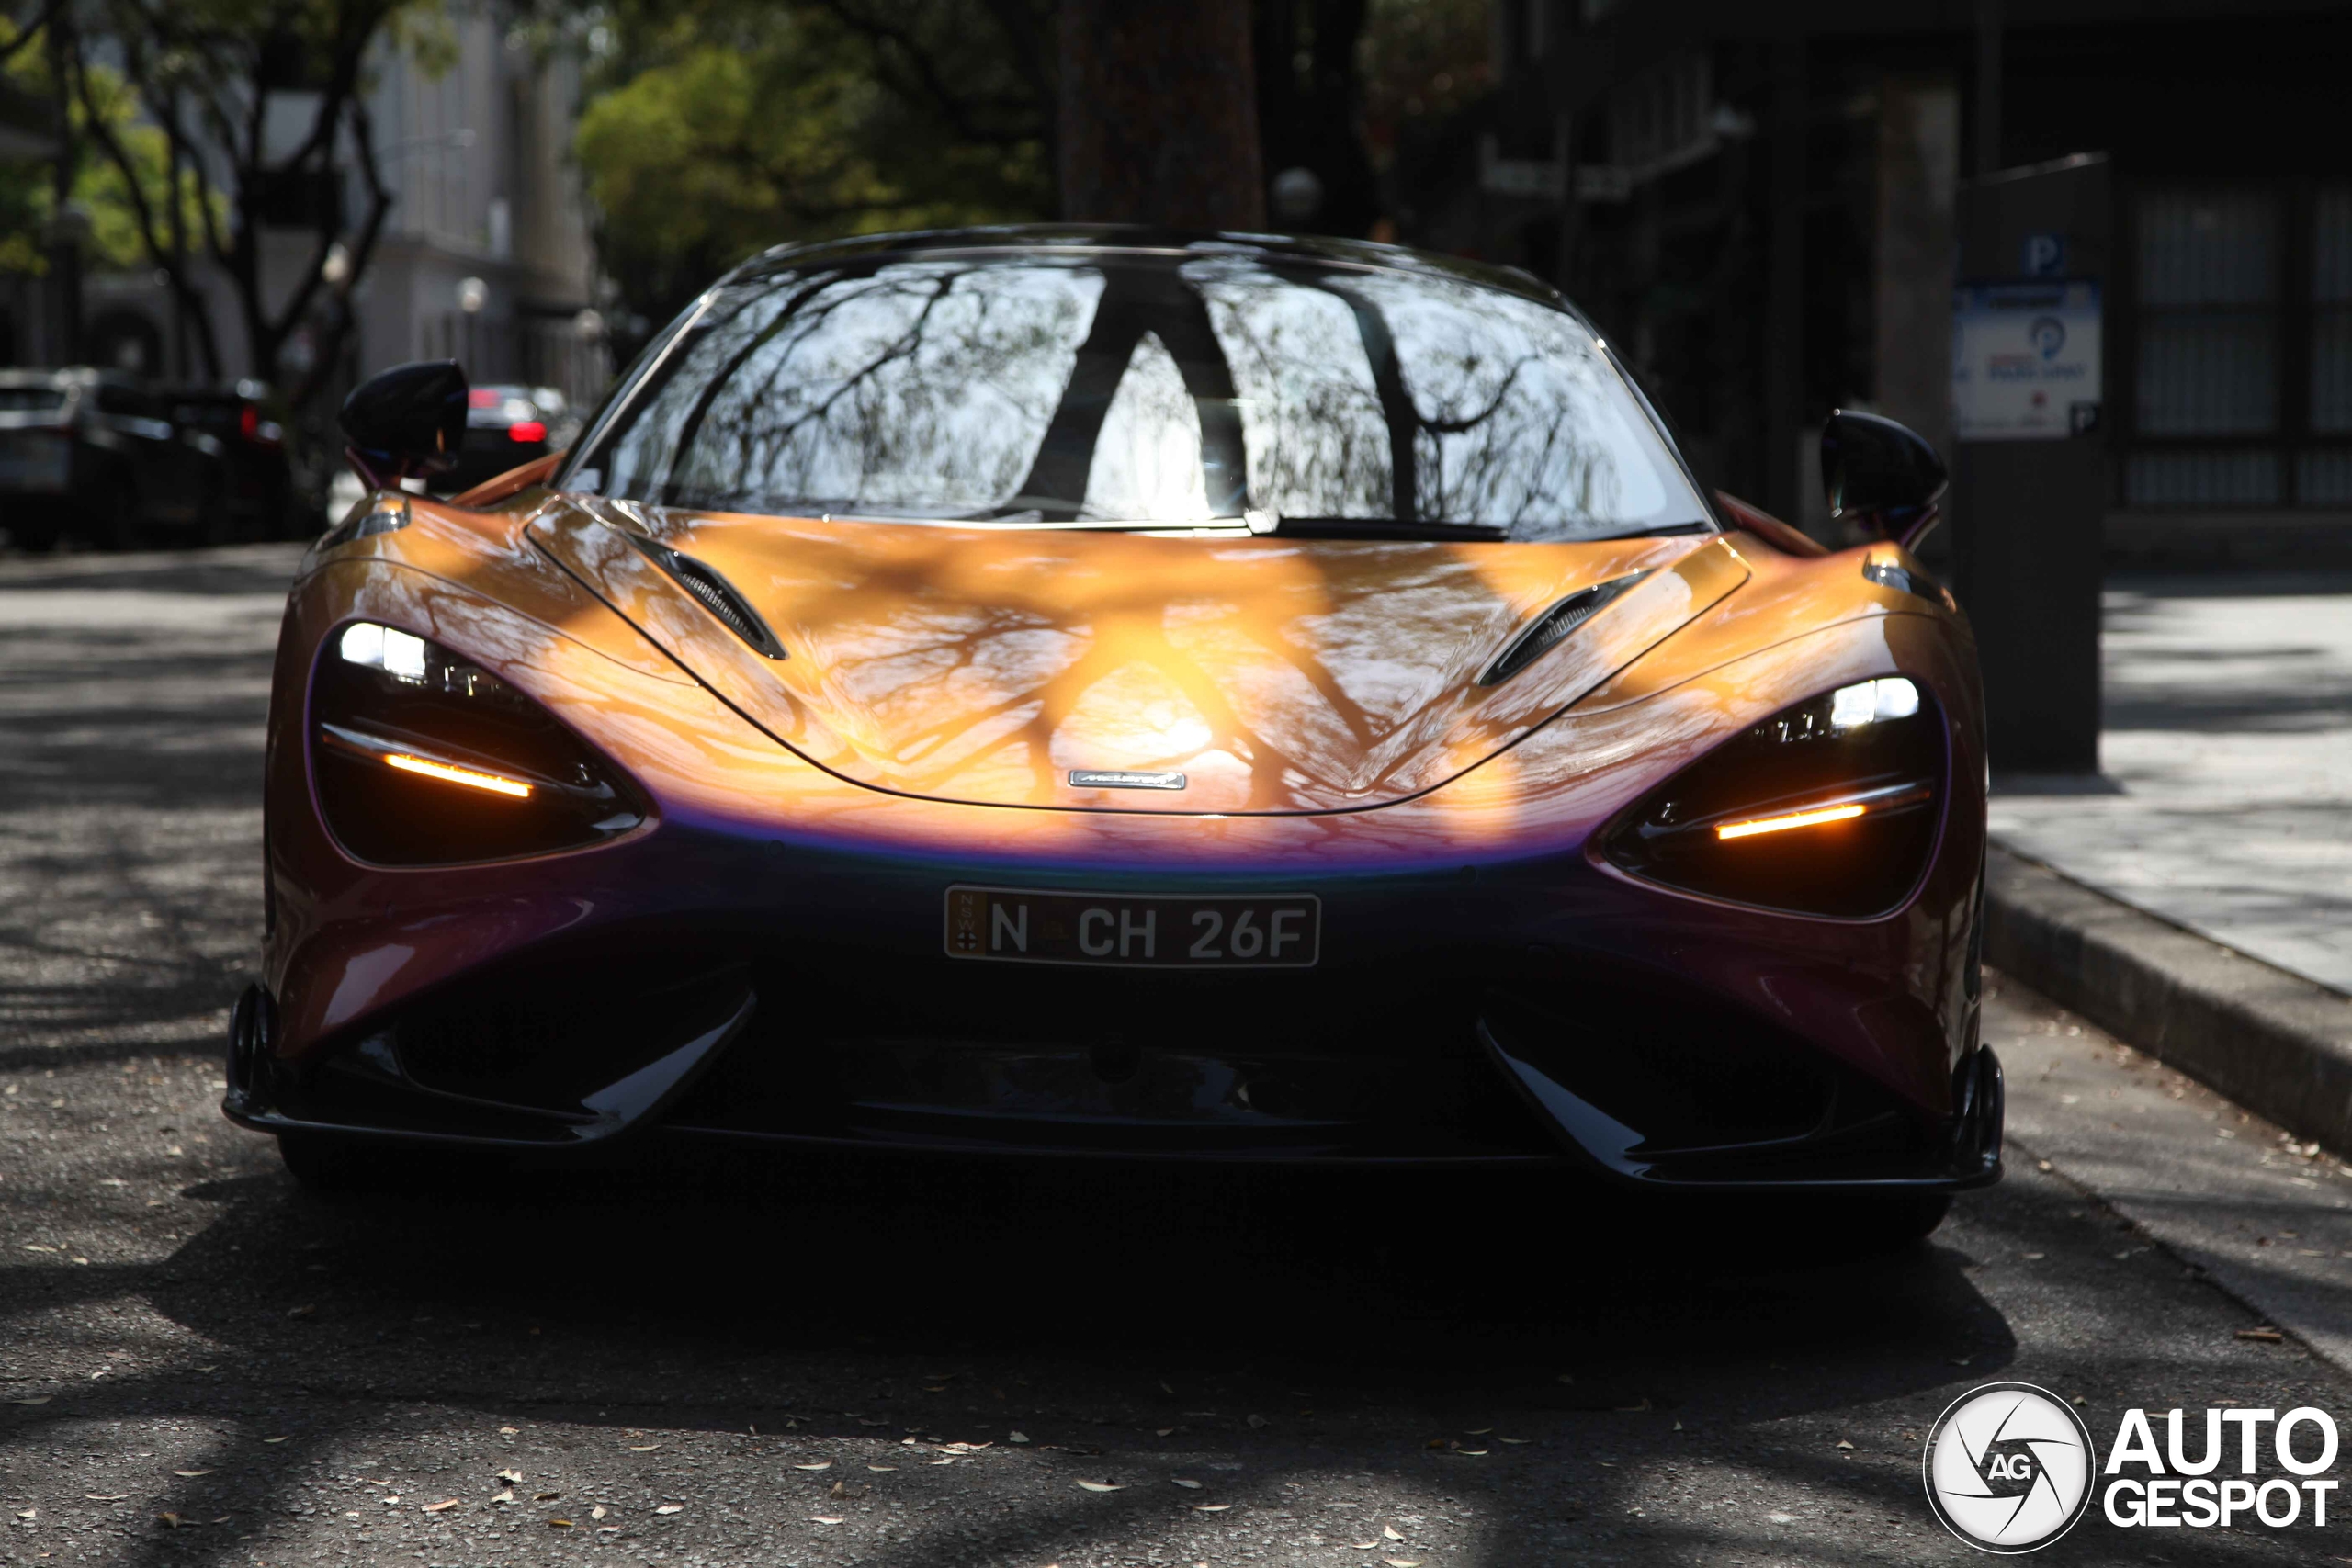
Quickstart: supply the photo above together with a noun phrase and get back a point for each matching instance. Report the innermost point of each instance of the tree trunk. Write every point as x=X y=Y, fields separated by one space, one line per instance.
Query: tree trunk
x=1159 y=114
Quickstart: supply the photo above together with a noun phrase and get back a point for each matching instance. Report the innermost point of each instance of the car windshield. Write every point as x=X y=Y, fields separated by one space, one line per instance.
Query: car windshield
x=1135 y=389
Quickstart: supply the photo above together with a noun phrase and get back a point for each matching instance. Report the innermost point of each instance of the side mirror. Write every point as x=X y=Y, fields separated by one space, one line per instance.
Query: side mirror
x=408 y=420
x=1882 y=472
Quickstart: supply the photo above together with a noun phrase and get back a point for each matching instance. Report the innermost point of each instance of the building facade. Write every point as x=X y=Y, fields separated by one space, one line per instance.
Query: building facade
x=486 y=254
x=1756 y=203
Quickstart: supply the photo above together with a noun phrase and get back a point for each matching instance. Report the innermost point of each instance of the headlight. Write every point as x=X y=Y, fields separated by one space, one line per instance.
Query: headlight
x=1827 y=808
x=424 y=759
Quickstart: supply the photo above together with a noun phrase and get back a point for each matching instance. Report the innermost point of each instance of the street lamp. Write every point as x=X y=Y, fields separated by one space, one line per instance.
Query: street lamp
x=472 y=295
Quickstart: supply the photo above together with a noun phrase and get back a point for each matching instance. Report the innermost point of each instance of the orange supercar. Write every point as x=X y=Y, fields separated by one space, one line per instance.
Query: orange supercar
x=1104 y=691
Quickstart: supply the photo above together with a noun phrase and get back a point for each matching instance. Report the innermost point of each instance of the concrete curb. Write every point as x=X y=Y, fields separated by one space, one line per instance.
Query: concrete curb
x=2274 y=1042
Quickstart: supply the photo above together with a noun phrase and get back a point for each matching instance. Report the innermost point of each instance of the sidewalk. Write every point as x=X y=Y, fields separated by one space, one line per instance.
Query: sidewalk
x=2228 y=759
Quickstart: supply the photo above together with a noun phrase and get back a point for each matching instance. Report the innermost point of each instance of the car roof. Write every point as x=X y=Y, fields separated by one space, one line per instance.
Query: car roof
x=1143 y=239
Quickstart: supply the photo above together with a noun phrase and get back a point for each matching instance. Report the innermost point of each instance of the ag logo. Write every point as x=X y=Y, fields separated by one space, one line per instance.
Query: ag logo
x=2008 y=1468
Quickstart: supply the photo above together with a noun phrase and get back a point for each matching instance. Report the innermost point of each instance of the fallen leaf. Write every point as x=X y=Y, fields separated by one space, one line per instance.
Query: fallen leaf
x=945 y=1458
x=1402 y=1561
x=1102 y=1485
x=1211 y=1507
x=826 y=1519
x=1845 y=1445
x=1388 y=1532
x=643 y=1448
x=103 y=1497
x=443 y=1506
x=1472 y=1453
x=820 y=1464
x=1477 y=1432
x=222 y=1519
x=671 y=1508
x=558 y=1524
x=1016 y=1437
x=1256 y=1420
x=883 y=1467
x=169 y=1521
x=1520 y=1442
x=273 y=1439
x=1163 y=1431
x=503 y=1431
x=545 y=1496
x=1363 y=1545
x=1188 y=1485
x=511 y=1477
x=308 y=1310
x=190 y=1475
x=2265 y=1336
x=36 y=1399
x=27 y=1513
x=597 y=1512
x=36 y=1247
x=844 y=1489
x=506 y=1497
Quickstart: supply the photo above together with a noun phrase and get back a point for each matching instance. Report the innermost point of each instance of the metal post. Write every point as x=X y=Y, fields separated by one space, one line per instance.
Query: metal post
x=64 y=244
x=1784 y=302
x=179 y=239
x=1988 y=86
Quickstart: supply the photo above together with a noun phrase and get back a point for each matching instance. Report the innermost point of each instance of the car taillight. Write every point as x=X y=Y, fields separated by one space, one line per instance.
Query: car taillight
x=249 y=422
x=528 y=431
x=1829 y=807
x=423 y=758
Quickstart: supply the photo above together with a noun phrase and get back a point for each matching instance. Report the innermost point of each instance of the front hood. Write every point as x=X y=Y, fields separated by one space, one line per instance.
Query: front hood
x=1275 y=675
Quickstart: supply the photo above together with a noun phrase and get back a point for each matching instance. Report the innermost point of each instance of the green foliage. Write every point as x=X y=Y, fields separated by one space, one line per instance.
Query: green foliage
x=721 y=130
x=1421 y=61
x=28 y=190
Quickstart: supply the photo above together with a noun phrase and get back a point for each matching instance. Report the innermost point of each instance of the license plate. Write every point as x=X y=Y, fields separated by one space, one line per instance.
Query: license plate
x=1017 y=925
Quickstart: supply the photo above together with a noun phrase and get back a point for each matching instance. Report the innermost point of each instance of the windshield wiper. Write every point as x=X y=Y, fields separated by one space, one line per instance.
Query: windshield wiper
x=1385 y=528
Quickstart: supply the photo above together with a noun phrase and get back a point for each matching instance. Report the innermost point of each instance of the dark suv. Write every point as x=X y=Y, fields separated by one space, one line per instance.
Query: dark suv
x=94 y=451
x=508 y=426
x=250 y=425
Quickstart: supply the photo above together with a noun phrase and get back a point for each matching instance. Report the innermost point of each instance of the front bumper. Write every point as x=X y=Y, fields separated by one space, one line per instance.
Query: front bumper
x=1476 y=1060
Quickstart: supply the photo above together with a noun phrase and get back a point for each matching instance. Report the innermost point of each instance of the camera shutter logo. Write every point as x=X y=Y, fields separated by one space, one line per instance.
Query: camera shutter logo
x=2008 y=1468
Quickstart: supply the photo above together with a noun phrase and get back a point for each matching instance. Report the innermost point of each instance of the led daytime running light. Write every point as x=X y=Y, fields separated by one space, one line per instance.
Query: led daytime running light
x=1782 y=824
x=495 y=785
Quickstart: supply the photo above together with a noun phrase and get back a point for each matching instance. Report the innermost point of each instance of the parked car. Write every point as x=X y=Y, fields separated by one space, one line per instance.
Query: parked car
x=1219 y=697
x=251 y=425
x=507 y=426
x=94 y=452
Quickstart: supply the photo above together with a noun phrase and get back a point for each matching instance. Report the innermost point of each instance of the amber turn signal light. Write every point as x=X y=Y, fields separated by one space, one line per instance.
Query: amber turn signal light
x=515 y=788
x=1782 y=824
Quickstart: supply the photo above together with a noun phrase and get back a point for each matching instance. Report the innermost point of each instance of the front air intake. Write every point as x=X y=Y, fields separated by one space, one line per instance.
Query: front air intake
x=716 y=594
x=1554 y=625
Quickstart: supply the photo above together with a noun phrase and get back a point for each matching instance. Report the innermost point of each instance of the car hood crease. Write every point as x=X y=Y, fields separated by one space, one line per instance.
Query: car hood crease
x=1276 y=675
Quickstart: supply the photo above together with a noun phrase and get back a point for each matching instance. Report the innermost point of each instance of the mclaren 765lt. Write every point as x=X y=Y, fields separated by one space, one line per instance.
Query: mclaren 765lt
x=1105 y=693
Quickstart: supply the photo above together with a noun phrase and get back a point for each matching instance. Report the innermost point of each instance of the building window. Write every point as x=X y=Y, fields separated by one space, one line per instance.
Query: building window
x=2242 y=378
x=2208 y=278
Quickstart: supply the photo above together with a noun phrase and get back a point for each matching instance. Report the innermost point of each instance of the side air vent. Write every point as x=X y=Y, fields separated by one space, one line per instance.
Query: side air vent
x=1554 y=625
x=715 y=594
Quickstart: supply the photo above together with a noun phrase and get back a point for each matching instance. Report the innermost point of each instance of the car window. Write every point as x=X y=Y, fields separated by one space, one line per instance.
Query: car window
x=1156 y=389
x=126 y=400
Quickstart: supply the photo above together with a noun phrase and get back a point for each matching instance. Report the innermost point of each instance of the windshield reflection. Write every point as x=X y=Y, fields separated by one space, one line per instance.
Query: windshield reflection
x=1144 y=389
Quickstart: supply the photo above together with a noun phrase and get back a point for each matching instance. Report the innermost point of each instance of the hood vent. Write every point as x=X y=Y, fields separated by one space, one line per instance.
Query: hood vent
x=716 y=594
x=1556 y=624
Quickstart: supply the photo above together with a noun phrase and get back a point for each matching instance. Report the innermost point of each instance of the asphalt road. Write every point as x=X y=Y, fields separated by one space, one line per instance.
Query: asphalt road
x=809 y=1363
